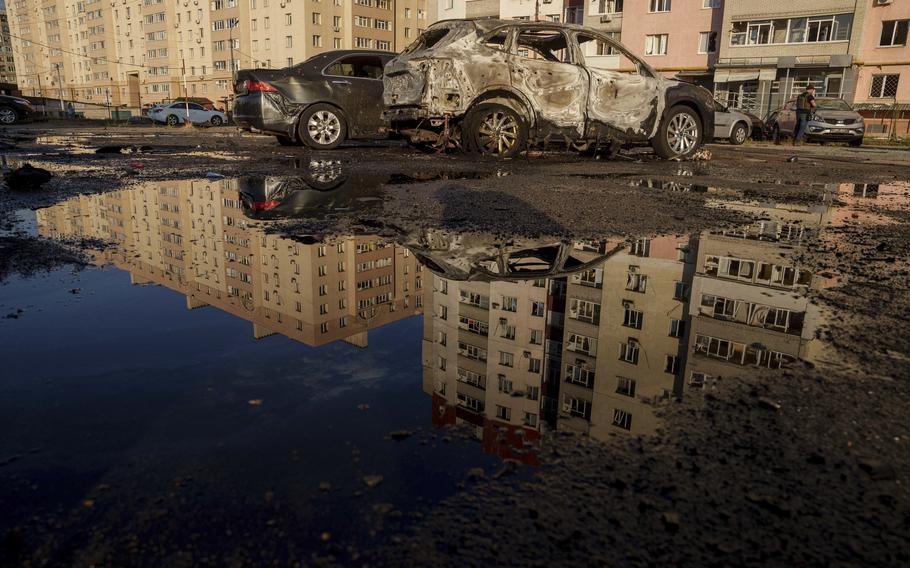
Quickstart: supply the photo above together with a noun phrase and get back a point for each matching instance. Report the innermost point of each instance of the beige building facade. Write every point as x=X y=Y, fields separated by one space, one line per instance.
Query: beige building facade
x=137 y=52
x=192 y=237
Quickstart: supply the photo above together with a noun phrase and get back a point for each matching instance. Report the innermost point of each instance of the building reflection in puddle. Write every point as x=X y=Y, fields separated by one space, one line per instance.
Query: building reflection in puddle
x=520 y=335
x=193 y=237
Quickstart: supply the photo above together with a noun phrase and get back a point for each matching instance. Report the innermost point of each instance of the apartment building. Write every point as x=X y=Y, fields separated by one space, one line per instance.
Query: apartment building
x=192 y=237
x=7 y=59
x=136 y=52
x=750 y=305
x=625 y=333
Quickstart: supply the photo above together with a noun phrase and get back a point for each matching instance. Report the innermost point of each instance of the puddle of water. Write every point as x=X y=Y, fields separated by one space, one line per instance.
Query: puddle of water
x=235 y=377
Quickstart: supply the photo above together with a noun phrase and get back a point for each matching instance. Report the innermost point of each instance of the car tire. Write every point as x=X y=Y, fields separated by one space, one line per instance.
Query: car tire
x=496 y=130
x=679 y=135
x=8 y=115
x=217 y=121
x=172 y=120
x=322 y=127
x=856 y=143
x=739 y=134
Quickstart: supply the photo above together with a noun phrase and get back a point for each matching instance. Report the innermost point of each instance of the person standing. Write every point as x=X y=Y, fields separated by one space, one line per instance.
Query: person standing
x=805 y=107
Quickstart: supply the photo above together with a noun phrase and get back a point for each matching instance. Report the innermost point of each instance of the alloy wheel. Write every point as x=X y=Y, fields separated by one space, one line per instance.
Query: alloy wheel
x=324 y=127
x=498 y=132
x=682 y=133
x=7 y=116
x=740 y=135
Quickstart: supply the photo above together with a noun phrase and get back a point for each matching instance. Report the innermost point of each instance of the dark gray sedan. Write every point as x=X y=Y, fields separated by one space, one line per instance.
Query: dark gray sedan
x=327 y=99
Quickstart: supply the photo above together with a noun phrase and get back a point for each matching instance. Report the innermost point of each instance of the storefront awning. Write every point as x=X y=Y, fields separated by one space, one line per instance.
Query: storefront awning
x=731 y=76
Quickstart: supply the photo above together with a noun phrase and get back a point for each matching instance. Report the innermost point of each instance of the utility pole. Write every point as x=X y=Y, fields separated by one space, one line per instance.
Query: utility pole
x=231 y=36
x=59 y=86
x=536 y=10
x=186 y=100
x=41 y=94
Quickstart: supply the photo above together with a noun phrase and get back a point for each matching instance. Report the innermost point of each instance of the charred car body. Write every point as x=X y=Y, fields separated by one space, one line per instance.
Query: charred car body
x=504 y=84
x=327 y=99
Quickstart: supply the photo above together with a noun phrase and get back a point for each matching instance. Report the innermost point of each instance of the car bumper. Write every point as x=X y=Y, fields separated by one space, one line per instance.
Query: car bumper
x=823 y=131
x=405 y=114
x=258 y=111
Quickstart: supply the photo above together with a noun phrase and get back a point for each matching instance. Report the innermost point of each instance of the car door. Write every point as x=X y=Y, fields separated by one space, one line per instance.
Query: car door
x=723 y=119
x=543 y=68
x=786 y=118
x=198 y=114
x=626 y=100
x=355 y=82
x=178 y=109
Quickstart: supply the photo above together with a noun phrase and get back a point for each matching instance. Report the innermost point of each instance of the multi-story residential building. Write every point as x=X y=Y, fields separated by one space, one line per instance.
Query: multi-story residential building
x=750 y=305
x=624 y=337
x=192 y=237
x=7 y=60
x=770 y=51
x=883 y=81
x=138 y=52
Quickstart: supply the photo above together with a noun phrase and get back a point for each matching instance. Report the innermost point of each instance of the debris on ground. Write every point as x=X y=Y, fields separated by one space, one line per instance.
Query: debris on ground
x=27 y=177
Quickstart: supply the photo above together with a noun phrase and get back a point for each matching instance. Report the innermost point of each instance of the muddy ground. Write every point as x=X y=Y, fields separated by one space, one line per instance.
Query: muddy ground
x=730 y=479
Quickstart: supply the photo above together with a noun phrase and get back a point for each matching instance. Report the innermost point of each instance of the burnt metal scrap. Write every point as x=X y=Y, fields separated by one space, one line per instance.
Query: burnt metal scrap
x=499 y=85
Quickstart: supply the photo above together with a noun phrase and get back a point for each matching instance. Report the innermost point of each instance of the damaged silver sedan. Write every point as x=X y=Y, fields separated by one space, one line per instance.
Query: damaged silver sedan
x=498 y=86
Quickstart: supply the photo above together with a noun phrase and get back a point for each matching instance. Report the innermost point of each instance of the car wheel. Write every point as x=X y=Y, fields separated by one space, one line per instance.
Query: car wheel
x=172 y=120
x=217 y=121
x=8 y=115
x=739 y=134
x=856 y=143
x=679 y=135
x=322 y=127
x=495 y=130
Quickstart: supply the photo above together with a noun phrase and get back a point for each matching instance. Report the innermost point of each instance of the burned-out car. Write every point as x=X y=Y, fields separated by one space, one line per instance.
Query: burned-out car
x=496 y=86
x=329 y=98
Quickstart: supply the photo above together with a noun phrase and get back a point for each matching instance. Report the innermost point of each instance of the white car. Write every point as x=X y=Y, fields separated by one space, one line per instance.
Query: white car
x=730 y=124
x=176 y=113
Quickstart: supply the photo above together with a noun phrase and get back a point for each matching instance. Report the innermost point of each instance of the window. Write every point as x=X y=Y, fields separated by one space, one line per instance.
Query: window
x=363 y=66
x=317 y=40
x=582 y=344
x=289 y=41
x=884 y=86
x=472 y=325
x=711 y=3
x=632 y=318
x=509 y=304
x=506 y=359
x=659 y=6
x=505 y=385
x=707 y=42
x=323 y=290
x=625 y=386
x=317 y=18
x=533 y=365
x=697 y=379
x=324 y=327
x=894 y=33
x=469 y=402
x=503 y=412
x=288 y=20
x=472 y=351
x=592 y=277
x=576 y=407
x=442 y=364
x=536 y=337
x=680 y=291
x=813 y=29
x=471 y=378
x=549 y=45
x=635 y=281
x=628 y=351
x=474 y=299
x=530 y=419
x=642 y=247
x=363 y=42
x=532 y=393
x=656 y=44
x=584 y=310
x=677 y=328
x=622 y=419
x=580 y=375
x=608 y=7
x=537 y=309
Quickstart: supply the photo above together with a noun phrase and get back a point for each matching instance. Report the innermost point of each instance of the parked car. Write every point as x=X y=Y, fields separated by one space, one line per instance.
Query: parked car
x=833 y=121
x=15 y=109
x=730 y=124
x=327 y=99
x=505 y=84
x=176 y=113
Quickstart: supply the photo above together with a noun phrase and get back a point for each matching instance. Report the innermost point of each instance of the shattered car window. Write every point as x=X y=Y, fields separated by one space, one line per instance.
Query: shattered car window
x=498 y=40
x=365 y=67
x=550 y=45
x=428 y=39
x=593 y=47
